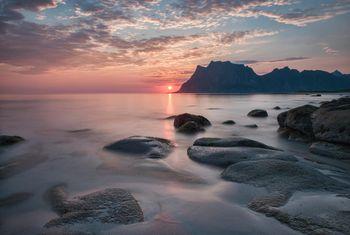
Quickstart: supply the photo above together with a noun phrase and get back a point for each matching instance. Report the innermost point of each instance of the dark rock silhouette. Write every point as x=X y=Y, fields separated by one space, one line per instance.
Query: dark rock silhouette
x=190 y=127
x=186 y=117
x=6 y=140
x=257 y=113
x=226 y=77
x=229 y=122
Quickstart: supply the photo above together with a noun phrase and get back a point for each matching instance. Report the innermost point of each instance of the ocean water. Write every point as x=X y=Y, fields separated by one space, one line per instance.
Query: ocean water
x=177 y=195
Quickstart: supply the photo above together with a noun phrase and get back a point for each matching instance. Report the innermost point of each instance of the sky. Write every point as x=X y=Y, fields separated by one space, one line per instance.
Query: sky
x=54 y=46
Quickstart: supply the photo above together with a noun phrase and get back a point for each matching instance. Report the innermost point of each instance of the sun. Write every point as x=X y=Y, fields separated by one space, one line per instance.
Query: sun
x=170 y=88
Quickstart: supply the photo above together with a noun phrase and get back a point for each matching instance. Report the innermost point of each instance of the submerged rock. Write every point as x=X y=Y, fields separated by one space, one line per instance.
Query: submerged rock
x=277 y=108
x=331 y=122
x=231 y=142
x=326 y=149
x=113 y=205
x=6 y=140
x=186 y=117
x=190 y=128
x=225 y=156
x=152 y=147
x=257 y=113
x=298 y=119
x=229 y=122
x=251 y=126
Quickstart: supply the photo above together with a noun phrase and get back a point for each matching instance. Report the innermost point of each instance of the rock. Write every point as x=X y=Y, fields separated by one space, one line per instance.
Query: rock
x=190 y=128
x=170 y=117
x=79 y=130
x=15 y=199
x=294 y=135
x=316 y=95
x=231 y=142
x=225 y=156
x=281 y=176
x=112 y=205
x=229 y=122
x=6 y=140
x=298 y=119
x=336 y=151
x=151 y=147
x=331 y=122
x=257 y=113
x=277 y=108
x=186 y=117
x=251 y=126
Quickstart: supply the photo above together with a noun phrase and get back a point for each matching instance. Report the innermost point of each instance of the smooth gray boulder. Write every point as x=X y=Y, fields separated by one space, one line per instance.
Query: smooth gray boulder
x=331 y=150
x=151 y=147
x=7 y=140
x=112 y=205
x=298 y=119
x=258 y=113
x=186 y=117
x=225 y=156
x=229 y=122
x=231 y=142
x=190 y=127
x=331 y=122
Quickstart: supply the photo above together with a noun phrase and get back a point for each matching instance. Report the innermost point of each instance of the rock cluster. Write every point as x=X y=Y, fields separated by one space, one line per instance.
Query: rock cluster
x=329 y=125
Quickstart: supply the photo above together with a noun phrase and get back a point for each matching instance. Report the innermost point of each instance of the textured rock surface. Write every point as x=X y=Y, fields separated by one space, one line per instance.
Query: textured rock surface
x=257 y=113
x=6 y=140
x=231 y=142
x=190 y=128
x=186 y=117
x=113 y=205
x=152 y=147
x=331 y=150
x=225 y=156
x=298 y=119
x=331 y=122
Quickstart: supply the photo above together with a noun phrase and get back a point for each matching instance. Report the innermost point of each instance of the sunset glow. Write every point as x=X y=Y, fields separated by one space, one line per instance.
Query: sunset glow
x=128 y=46
x=170 y=88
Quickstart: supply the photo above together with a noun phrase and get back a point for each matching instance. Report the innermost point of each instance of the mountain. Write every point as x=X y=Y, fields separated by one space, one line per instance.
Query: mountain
x=227 y=77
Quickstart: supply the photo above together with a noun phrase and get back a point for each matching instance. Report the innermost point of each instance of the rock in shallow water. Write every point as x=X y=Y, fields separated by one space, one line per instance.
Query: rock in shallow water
x=186 y=117
x=331 y=122
x=251 y=126
x=229 y=122
x=231 y=142
x=6 y=140
x=151 y=147
x=335 y=151
x=225 y=156
x=190 y=128
x=113 y=205
x=257 y=113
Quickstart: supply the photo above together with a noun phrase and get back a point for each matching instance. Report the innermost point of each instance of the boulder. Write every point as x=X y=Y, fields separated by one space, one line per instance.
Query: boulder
x=190 y=127
x=281 y=176
x=6 y=140
x=151 y=147
x=298 y=119
x=225 y=156
x=229 y=122
x=186 y=117
x=257 y=113
x=331 y=150
x=231 y=142
x=331 y=122
x=112 y=205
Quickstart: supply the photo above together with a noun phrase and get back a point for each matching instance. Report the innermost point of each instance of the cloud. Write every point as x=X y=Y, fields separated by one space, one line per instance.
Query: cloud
x=272 y=61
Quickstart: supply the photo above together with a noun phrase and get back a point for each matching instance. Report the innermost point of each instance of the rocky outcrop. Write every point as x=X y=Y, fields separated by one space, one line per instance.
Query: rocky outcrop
x=7 y=140
x=190 y=123
x=331 y=122
x=298 y=119
x=331 y=150
x=225 y=156
x=231 y=142
x=151 y=147
x=112 y=205
x=257 y=113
